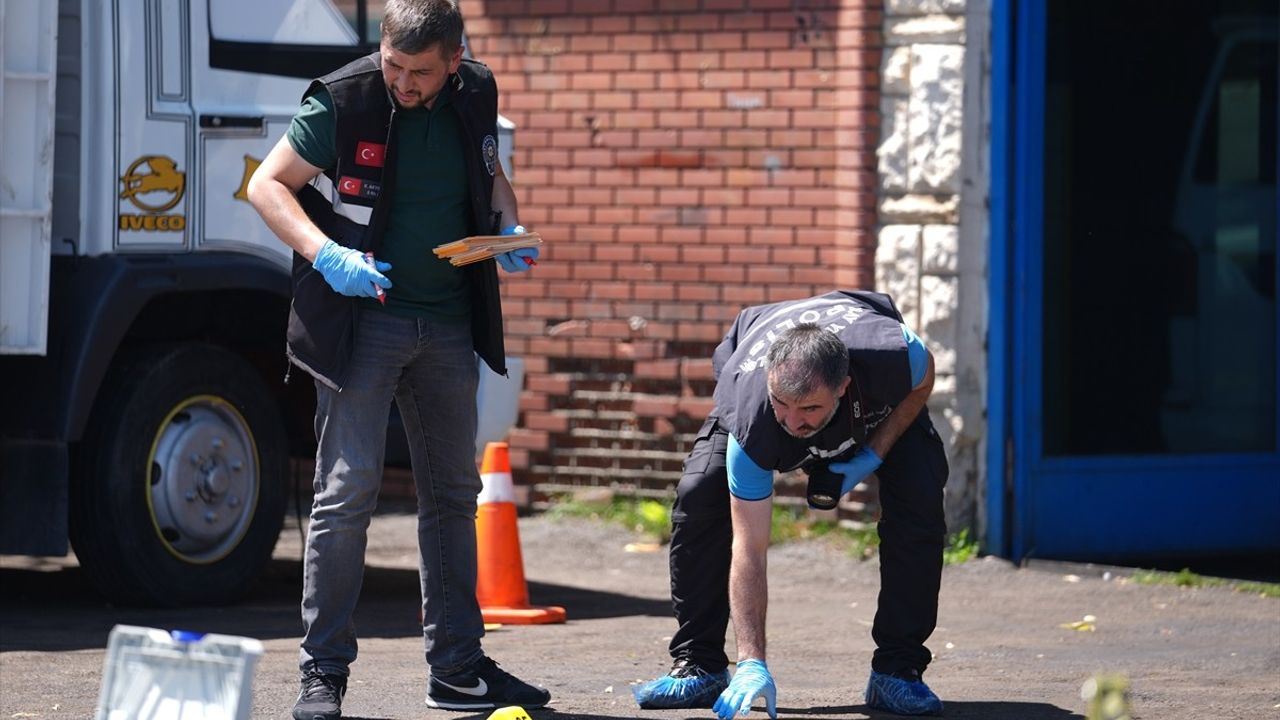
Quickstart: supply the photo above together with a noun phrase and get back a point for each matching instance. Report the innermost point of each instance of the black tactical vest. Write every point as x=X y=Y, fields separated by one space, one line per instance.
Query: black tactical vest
x=350 y=201
x=880 y=372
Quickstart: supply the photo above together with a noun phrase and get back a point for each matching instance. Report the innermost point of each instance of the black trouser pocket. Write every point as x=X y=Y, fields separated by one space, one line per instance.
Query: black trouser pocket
x=703 y=491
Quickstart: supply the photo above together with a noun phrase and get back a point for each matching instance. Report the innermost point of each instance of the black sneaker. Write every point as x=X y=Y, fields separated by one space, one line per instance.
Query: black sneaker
x=482 y=685
x=321 y=696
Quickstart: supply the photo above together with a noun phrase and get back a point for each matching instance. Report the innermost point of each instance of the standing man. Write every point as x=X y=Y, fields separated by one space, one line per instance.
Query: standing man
x=393 y=155
x=836 y=385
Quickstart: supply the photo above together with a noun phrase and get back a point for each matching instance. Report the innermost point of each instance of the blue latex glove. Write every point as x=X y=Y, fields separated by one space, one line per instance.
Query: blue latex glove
x=751 y=680
x=863 y=463
x=516 y=260
x=347 y=272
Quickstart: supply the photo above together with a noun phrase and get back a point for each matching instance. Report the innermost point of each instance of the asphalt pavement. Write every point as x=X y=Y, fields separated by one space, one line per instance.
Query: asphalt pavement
x=1011 y=642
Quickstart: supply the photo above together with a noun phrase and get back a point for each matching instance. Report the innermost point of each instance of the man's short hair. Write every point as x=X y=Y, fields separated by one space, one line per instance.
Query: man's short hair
x=412 y=26
x=805 y=358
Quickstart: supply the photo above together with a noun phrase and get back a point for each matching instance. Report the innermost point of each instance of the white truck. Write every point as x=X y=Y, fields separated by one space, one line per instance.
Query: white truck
x=144 y=416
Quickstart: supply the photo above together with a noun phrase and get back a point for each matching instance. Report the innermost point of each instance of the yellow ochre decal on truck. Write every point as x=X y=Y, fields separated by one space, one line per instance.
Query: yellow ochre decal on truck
x=251 y=164
x=153 y=183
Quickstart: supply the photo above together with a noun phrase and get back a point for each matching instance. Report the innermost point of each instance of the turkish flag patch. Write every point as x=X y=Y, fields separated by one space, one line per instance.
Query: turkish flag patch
x=371 y=154
x=349 y=185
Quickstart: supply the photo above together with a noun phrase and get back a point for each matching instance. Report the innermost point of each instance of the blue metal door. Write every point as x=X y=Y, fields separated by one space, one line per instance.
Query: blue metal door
x=1134 y=332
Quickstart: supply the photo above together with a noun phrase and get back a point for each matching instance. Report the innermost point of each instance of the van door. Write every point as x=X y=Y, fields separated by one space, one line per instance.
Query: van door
x=254 y=60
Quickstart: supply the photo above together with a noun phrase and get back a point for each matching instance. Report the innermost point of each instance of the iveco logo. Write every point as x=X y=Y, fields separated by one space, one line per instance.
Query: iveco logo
x=153 y=183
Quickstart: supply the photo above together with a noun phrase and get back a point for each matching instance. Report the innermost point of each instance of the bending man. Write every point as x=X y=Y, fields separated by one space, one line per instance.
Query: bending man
x=836 y=385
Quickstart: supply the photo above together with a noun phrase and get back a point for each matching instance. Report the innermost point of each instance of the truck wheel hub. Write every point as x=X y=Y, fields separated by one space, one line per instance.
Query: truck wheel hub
x=203 y=479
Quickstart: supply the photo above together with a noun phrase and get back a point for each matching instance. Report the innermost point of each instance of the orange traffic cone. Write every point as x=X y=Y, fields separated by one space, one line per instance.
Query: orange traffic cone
x=500 y=585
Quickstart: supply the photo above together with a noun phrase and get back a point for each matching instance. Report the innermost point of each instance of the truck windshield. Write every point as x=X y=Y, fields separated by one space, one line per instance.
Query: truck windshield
x=304 y=38
x=304 y=22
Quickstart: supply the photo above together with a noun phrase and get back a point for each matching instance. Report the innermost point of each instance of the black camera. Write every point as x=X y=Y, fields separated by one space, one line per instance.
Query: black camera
x=823 y=492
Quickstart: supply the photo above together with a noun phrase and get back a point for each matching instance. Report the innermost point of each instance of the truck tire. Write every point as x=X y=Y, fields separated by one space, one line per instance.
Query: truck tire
x=180 y=484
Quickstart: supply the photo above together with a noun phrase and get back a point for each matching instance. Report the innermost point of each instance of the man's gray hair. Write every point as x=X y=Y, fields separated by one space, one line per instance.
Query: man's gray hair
x=805 y=358
x=412 y=26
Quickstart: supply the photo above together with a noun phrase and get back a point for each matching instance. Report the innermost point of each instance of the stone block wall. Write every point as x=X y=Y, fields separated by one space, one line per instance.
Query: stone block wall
x=926 y=257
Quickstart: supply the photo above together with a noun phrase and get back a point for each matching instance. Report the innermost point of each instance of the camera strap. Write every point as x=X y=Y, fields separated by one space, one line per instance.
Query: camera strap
x=857 y=421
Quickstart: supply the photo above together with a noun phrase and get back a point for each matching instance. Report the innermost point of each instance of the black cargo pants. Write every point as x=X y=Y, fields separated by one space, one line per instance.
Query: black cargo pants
x=912 y=535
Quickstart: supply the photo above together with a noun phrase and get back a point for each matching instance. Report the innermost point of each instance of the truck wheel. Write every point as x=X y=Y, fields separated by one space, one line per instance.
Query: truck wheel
x=181 y=482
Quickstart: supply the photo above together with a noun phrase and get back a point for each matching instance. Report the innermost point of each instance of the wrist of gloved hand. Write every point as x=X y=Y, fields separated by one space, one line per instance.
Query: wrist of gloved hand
x=864 y=462
x=516 y=260
x=347 y=271
x=753 y=666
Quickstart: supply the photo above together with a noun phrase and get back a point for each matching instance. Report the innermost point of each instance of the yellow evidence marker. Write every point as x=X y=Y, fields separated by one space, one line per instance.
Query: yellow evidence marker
x=515 y=712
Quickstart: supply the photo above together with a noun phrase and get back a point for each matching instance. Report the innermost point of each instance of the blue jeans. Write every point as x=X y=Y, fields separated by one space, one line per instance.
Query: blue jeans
x=430 y=369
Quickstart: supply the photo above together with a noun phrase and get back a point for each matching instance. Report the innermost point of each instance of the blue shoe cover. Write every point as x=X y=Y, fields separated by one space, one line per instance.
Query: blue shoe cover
x=686 y=687
x=901 y=697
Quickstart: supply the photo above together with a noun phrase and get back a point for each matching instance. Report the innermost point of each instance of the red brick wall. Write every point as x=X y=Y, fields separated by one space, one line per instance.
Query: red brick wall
x=682 y=158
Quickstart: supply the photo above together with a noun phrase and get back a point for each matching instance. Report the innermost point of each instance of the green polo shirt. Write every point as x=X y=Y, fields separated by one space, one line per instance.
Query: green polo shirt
x=429 y=207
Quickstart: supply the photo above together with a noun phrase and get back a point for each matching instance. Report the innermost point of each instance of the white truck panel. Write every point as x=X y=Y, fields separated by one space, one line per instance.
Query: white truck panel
x=100 y=179
x=171 y=40
x=227 y=160
x=28 y=44
x=153 y=152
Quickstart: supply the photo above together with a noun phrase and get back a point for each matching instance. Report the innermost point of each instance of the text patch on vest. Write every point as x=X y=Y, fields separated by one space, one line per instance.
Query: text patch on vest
x=348 y=185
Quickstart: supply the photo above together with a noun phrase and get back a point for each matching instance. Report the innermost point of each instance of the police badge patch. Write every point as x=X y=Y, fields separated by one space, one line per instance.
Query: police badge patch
x=489 y=149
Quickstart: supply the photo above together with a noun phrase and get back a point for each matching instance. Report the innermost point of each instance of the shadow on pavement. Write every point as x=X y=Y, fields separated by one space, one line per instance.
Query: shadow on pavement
x=551 y=714
x=72 y=616
x=991 y=710
x=988 y=710
x=994 y=710
x=583 y=604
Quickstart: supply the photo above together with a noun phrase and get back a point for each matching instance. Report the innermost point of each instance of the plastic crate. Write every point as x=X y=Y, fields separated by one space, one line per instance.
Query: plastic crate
x=152 y=674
